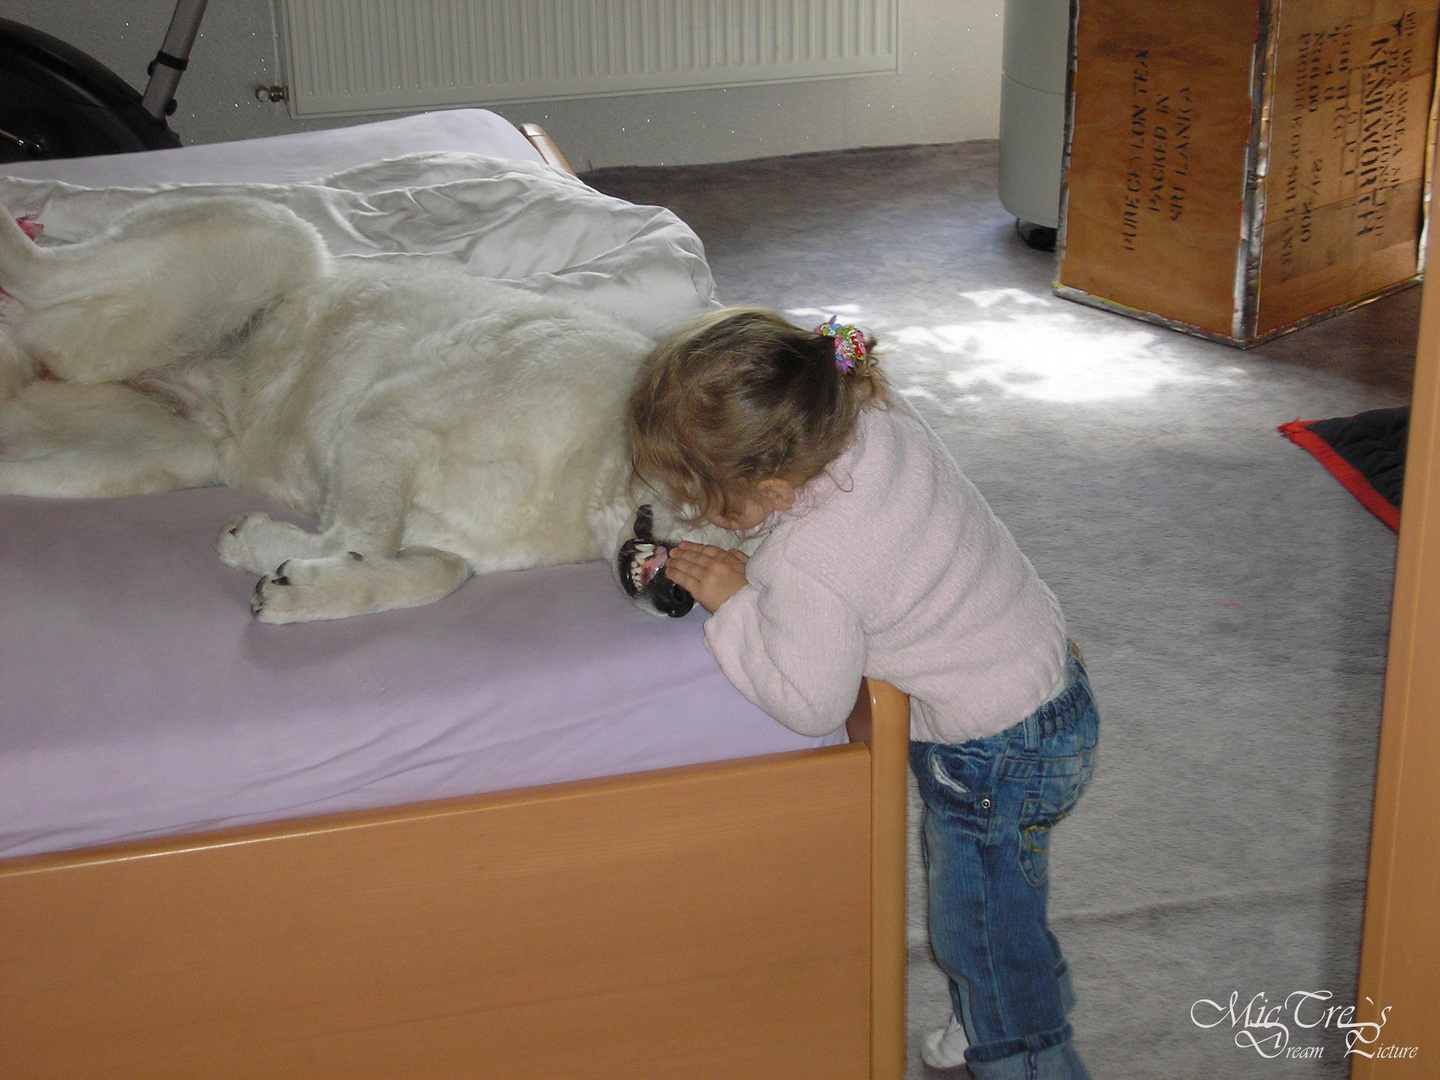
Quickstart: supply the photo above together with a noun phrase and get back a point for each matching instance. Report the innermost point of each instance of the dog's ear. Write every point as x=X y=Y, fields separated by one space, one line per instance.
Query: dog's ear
x=645 y=523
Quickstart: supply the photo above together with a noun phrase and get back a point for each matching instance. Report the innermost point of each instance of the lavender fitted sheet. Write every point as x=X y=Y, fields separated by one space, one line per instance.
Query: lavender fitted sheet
x=141 y=699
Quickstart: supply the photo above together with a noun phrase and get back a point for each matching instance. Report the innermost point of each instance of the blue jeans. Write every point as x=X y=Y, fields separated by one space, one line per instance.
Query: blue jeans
x=989 y=807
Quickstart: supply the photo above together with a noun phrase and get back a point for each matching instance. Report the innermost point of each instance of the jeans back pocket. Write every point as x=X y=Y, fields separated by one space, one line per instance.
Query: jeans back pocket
x=1062 y=781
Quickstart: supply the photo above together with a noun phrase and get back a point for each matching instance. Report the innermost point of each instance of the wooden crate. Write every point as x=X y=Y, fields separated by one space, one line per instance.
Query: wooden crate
x=1238 y=168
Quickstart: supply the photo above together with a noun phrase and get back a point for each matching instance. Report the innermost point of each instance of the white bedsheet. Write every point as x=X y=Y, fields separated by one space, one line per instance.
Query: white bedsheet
x=286 y=159
x=138 y=697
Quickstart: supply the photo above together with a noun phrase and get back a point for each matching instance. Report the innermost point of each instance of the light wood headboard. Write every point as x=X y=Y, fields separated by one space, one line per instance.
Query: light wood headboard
x=545 y=147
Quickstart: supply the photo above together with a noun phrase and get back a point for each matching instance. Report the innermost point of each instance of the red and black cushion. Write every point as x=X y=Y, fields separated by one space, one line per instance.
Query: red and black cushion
x=1365 y=452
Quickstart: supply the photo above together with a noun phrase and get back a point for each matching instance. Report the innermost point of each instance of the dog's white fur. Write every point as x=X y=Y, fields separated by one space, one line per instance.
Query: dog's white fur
x=432 y=424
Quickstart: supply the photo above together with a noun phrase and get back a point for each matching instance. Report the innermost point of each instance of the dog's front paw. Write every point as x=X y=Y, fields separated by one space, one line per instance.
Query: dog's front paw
x=265 y=602
x=303 y=590
x=243 y=543
x=286 y=594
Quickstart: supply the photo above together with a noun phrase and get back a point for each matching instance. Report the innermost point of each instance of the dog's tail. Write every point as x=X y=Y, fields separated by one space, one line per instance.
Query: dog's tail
x=20 y=259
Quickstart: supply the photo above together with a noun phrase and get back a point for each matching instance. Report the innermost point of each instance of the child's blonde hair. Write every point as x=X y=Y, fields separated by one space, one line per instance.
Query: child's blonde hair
x=743 y=396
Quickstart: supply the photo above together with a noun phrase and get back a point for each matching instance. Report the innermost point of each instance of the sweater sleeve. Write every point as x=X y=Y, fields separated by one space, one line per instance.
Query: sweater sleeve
x=794 y=648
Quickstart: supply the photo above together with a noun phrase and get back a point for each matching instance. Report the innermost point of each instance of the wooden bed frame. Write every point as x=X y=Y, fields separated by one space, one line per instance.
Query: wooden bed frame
x=738 y=919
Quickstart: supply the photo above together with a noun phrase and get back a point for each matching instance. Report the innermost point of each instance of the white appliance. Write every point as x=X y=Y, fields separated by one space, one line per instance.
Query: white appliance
x=1032 y=114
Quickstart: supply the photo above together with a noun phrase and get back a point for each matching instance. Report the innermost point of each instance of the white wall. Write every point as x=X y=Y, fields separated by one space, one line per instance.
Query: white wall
x=947 y=89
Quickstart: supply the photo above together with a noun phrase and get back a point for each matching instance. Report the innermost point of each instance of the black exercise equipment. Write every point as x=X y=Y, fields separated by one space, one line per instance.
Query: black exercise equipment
x=56 y=101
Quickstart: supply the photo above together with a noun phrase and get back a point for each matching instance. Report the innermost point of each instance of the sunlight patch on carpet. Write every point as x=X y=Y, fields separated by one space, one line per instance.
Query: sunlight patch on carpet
x=818 y=315
x=1030 y=347
x=1053 y=356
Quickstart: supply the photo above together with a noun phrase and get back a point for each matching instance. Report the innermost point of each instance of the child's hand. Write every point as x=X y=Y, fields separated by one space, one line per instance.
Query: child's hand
x=711 y=574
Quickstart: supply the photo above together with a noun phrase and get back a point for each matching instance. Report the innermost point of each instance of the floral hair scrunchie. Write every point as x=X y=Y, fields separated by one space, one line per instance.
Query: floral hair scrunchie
x=849 y=343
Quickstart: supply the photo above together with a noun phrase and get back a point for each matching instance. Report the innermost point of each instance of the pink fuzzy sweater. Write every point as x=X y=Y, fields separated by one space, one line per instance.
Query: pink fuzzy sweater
x=892 y=564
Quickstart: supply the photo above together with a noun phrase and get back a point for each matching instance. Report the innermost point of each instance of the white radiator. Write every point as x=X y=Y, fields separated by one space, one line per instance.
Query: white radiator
x=361 y=56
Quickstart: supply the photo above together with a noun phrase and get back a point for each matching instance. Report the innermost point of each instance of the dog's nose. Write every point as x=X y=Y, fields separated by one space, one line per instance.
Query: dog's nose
x=672 y=599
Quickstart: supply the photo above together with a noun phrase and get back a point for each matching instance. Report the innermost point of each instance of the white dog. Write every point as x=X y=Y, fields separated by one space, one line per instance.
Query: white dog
x=434 y=425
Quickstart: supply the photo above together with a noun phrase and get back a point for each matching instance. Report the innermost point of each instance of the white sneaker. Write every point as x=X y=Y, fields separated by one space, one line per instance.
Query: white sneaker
x=944 y=1048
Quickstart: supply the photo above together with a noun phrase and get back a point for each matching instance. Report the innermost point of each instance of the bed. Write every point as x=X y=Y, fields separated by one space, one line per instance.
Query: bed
x=528 y=831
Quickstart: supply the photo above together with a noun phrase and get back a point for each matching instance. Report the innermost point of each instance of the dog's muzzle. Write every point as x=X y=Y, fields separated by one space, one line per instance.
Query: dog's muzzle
x=641 y=567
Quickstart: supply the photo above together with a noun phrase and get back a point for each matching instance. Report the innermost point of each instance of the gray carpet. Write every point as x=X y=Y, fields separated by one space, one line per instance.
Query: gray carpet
x=1231 y=598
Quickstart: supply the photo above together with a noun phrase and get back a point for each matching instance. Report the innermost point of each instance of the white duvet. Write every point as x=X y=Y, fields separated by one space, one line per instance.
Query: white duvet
x=523 y=223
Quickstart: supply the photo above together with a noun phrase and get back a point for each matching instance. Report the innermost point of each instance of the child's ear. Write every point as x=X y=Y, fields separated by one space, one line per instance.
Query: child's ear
x=777 y=494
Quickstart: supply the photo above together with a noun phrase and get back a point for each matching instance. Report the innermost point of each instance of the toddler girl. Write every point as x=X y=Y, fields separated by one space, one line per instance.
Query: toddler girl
x=880 y=558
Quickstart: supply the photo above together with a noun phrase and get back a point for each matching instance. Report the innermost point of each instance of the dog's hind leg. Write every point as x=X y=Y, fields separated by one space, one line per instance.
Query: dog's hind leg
x=338 y=586
x=66 y=441
x=175 y=278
